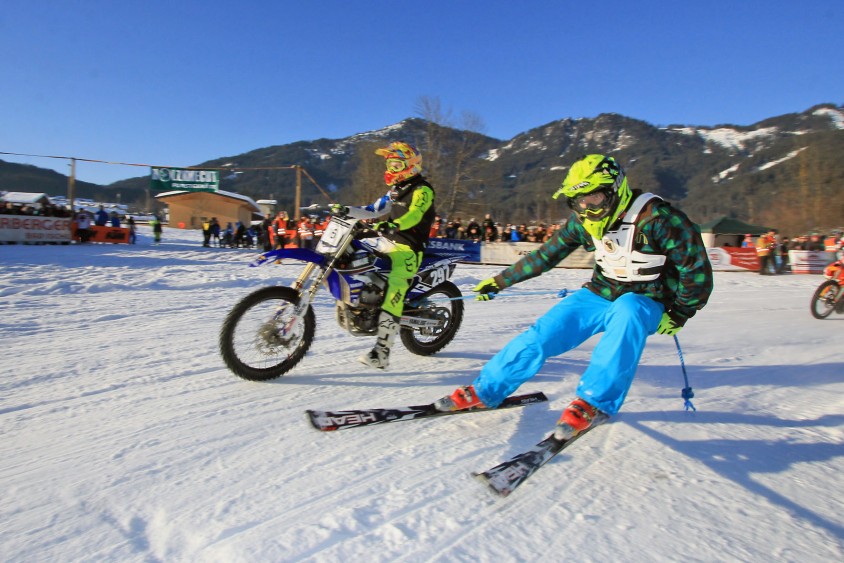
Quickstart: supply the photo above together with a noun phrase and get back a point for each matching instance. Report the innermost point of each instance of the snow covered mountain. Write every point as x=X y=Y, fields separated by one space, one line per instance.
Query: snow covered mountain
x=743 y=172
x=759 y=173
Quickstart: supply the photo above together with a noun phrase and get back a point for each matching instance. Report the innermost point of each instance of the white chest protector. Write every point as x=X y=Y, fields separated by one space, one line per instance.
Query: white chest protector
x=615 y=255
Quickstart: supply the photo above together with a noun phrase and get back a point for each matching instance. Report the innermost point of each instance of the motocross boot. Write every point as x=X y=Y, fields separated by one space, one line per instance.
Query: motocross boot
x=379 y=356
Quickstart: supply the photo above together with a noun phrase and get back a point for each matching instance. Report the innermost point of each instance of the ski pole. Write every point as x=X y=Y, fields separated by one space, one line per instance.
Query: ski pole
x=561 y=294
x=687 y=393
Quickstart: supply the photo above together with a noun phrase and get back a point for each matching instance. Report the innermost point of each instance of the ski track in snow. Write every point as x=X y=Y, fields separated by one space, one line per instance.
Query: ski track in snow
x=125 y=438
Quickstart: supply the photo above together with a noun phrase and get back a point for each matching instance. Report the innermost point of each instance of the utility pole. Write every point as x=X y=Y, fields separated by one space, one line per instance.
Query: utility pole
x=298 y=200
x=71 y=184
x=71 y=188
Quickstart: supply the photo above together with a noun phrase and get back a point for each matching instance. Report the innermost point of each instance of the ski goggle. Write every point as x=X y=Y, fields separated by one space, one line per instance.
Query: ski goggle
x=593 y=201
x=396 y=165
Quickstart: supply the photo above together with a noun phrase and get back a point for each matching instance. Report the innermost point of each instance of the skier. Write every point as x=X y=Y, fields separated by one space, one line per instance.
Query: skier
x=409 y=207
x=651 y=275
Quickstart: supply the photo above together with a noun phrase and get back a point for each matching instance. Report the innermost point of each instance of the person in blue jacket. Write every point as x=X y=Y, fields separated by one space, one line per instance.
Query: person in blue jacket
x=101 y=217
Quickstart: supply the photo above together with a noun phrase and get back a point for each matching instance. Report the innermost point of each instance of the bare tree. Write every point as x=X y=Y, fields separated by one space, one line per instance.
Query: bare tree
x=451 y=161
x=367 y=184
x=430 y=110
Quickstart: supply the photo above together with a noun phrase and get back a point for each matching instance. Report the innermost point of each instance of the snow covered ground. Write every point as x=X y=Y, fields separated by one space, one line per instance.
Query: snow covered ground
x=125 y=438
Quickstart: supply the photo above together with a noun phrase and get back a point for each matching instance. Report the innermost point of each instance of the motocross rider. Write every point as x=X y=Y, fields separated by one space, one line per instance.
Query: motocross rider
x=409 y=210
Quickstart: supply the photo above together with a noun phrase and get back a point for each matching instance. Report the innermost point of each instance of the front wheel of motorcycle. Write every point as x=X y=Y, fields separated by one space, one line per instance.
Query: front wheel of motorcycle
x=823 y=301
x=262 y=337
x=444 y=304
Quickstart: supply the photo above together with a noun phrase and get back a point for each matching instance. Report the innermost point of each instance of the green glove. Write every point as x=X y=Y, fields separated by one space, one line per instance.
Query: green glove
x=386 y=227
x=669 y=324
x=338 y=209
x=487 y=290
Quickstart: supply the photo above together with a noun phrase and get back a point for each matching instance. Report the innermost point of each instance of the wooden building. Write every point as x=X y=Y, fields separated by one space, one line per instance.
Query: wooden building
x=188 y=210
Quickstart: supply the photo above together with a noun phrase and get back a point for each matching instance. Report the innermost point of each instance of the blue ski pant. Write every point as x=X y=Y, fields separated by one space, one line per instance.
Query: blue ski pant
x=626 y=323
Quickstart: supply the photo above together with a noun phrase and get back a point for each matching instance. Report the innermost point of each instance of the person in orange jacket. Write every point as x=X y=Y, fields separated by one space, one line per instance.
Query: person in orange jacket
x=306 y=233
x=278 y=230
x=764 y=252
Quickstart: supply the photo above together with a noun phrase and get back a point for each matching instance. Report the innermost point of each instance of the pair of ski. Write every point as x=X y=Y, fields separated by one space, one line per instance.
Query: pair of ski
x=501 y=479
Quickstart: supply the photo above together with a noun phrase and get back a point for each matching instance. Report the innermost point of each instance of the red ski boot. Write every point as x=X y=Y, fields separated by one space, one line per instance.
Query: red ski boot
x=462 y=398
x=576 y=418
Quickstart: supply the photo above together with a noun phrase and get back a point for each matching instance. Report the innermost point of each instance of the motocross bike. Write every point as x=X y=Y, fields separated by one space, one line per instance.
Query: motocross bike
x=829 y=296
x=269 y=331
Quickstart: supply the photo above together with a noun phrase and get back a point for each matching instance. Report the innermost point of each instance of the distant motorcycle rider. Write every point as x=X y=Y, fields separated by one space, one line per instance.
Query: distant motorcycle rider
x=409 y=207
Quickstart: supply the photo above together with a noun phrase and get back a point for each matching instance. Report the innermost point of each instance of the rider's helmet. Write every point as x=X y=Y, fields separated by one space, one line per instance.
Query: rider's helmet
x=596 y=189
x=403 y=162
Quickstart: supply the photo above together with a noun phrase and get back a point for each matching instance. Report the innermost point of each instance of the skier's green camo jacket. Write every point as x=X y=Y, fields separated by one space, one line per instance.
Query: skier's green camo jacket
x=686 y=280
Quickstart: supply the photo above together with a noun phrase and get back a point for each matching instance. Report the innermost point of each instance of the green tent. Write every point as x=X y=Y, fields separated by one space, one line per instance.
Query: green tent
x=729 y=226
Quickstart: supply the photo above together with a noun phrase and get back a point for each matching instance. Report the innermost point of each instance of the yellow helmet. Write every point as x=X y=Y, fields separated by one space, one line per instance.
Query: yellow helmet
x=403 y=162
x=596 y=189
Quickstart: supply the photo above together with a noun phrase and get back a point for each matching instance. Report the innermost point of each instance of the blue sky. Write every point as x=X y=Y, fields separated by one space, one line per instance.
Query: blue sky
x=181 y=82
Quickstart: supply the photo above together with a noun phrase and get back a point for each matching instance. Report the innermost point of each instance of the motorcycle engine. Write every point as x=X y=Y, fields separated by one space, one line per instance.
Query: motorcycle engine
x=359 y=321
x=372 y=294
x=362 y=319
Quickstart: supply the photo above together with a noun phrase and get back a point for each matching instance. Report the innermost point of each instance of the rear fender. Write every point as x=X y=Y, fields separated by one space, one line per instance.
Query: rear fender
x=428 y=280
x=434 y=272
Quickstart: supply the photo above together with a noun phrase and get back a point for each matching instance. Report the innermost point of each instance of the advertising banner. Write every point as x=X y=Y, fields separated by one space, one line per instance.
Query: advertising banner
x=453 y=247
x=184 y=179
x=26 y=228
x=732 y=258
x=506 y=253
x=109 y=234
x=106 y=234
x=809 y=261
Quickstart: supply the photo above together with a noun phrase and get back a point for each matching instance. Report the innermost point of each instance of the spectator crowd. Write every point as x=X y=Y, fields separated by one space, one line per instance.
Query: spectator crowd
x=44 y=210
x=283 y=232
x=490 y=231
x=772 y=249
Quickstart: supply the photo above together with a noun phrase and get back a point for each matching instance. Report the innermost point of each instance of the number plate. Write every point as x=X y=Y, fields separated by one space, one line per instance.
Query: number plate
x=332 y=236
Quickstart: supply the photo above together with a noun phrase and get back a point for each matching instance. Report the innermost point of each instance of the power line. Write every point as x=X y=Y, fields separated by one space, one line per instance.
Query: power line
x=229 y=168
x=290 y=167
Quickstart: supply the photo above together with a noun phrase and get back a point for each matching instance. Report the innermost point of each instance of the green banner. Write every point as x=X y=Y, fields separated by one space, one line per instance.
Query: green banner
x=184 y=179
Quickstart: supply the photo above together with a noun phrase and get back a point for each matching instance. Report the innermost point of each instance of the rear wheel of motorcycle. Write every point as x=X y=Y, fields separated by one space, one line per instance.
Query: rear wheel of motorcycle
x=424 y=342
x=823 y=301
x=261 y=338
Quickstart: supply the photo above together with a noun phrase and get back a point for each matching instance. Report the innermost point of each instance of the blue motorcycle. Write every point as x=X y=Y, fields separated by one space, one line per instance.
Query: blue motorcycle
x=270 y=330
